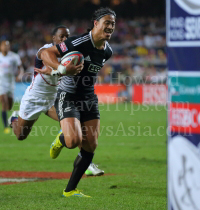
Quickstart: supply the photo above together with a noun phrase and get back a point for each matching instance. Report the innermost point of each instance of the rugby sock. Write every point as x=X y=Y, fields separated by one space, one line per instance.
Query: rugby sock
x=13 y=119
x=4 y=117
x=81 y=163
x=62 y=139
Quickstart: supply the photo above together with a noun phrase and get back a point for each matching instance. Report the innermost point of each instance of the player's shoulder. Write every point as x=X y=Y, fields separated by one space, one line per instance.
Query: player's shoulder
x=44 y=47
x=77 y=40
x=13 y=55
x=48 y=45
x=108 y=49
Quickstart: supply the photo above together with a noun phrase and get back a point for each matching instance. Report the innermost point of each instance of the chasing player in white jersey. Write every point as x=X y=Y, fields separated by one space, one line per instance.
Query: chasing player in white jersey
x=40 y=96
x=9 y=63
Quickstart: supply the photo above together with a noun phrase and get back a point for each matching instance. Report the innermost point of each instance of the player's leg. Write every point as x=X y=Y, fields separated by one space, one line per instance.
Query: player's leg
x=71 y=132
x=69 y=117
x=90 y=121
x=21 y=127
x=52 y=113
x=93 y=169
x=70 y=136
x=74 y=125
x=90 y=131
x=10 y=102
x=90 y=124
x=22 y=121
x=5 y=107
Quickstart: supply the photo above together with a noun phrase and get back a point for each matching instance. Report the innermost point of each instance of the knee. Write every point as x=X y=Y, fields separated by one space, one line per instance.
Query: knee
x=73 y=142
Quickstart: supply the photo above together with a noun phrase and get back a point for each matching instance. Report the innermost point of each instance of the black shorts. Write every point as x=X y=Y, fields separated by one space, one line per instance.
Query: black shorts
x=70 y=105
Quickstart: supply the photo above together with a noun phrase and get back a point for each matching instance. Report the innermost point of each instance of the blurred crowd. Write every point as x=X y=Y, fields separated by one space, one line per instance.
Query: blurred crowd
x=138 y=45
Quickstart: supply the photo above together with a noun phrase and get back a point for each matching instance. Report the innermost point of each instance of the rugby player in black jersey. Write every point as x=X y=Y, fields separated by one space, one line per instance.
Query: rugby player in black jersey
x=76 y=103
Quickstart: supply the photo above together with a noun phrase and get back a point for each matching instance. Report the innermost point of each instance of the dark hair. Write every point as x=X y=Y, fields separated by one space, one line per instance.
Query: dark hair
x=101 y=12
x=56 y=29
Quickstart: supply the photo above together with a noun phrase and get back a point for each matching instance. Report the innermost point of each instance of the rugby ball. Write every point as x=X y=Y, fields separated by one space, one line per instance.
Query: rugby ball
x=69 y=56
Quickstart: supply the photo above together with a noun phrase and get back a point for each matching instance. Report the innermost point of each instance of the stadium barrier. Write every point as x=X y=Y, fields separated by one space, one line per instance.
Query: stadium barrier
x=150 y=94
x=110 y=94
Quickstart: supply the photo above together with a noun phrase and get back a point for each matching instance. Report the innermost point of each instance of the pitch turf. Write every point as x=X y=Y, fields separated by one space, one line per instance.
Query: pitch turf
x=132 y=145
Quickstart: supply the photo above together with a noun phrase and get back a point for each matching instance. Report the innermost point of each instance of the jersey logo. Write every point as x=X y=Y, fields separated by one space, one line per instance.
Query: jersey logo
x=67 y=109
x=63 y=47
x=87 y=58
x=94 y=68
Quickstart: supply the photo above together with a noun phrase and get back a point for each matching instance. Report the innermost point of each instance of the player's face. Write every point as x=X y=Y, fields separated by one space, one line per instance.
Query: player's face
x=61 y=35
x=106 y=26
x=5 y=46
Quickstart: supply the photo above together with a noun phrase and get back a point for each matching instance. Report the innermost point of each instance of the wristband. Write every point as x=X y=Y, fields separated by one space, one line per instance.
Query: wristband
x=55 y=73
x=62 y=69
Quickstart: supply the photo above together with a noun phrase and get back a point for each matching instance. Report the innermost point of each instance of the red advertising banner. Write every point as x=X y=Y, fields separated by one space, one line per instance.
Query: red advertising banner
x=150 y=94
x=185 y=118
x=108 y=93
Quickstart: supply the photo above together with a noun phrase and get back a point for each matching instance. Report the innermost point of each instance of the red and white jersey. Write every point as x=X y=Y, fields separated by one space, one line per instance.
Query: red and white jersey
x=44 y=86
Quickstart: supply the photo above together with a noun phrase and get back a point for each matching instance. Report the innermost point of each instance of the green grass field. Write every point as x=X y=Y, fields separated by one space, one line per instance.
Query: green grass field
x=132 y=145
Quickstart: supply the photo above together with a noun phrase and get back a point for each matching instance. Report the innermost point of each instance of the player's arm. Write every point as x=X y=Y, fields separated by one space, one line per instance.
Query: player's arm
x=46 y=70
x=49 y=57
x=20 y=73
x=20 y=69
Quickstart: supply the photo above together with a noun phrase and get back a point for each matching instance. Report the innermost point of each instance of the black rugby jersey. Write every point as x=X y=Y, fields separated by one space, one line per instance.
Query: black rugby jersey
x=94 y=59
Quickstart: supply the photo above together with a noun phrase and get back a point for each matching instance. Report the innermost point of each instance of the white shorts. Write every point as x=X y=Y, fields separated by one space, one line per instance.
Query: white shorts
x=9 y=91
x=7 y=85
x=31 y=106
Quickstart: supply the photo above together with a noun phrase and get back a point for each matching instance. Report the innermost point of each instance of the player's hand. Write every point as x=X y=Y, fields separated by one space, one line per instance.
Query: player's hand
x=46 y=71
x=71 y=69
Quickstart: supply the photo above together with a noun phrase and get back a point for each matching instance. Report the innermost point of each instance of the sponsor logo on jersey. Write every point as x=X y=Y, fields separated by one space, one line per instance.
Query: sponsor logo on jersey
x=63 y=47
x=94 y=68
x=68 y=109
x=87 y=58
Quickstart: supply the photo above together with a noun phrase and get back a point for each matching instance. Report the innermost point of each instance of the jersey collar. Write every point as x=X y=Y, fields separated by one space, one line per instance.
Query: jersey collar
x=90 y=33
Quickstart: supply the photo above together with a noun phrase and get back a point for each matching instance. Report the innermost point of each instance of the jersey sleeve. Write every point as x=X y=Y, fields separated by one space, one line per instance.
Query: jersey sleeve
x=18 y=60
x=65 y=47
